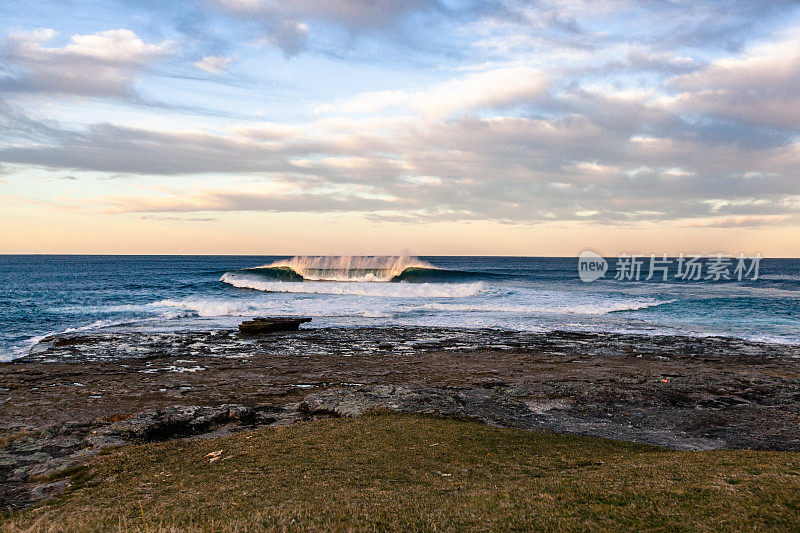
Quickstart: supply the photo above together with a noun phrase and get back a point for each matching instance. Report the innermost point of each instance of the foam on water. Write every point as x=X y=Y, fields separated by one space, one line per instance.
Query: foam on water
x=215 y=307
x=388 y=290
x=555 y=308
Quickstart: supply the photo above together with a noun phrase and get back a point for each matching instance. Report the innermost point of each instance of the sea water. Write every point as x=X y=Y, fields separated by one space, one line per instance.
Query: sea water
x=42 y=295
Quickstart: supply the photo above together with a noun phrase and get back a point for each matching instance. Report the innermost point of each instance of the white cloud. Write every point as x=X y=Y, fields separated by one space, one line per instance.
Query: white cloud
x=491 y=89
x=112 y=46
x=267 y=131
x=213 y=64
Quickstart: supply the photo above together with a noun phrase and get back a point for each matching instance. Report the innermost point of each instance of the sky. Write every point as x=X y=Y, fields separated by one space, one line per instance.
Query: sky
x=430 y=127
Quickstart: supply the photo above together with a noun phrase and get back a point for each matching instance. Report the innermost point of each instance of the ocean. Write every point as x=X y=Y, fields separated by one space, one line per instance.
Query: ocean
x=42 y=295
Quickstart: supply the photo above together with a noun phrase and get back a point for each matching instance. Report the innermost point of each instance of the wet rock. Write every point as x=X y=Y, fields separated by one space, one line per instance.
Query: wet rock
x=262 y=325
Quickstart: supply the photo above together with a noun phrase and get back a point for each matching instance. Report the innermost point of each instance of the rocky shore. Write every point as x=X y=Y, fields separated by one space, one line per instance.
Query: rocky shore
x=77 y=394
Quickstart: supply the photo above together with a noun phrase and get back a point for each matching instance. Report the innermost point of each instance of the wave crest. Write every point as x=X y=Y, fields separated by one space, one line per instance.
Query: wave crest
x=390 y=290
x=343 y=268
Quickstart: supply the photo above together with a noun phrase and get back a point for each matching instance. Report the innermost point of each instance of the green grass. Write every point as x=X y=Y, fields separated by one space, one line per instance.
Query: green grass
x=396 y=471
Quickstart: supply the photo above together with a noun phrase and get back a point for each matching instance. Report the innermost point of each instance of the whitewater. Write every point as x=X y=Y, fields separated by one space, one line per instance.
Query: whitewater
x=346 y=268
x=43 y=295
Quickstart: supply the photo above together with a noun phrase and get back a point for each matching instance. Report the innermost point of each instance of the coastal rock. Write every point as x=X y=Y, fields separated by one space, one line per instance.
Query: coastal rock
x=481 y=404
x=177 y=421
x=505 y=408
x=50 y=490
x=261 y=325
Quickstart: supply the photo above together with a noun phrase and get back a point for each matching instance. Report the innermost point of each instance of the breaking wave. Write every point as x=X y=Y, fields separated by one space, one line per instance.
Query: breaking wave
x=245 y=280
x=344 y=267
x=358 y=269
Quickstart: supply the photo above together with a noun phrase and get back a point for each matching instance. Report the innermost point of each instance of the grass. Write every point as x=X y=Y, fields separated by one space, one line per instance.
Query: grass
x=396 y=471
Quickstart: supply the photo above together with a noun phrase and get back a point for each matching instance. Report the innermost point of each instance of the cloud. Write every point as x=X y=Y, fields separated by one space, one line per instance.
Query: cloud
x=286 y=23
x=114 y=149
x=222 y=200
x=353 y=14
x=177 y=219
x=100 y=64
x=497 y=88
x=213 y=64
x=758 y=86
x=561 y=124
x=513 y=169
x=674 y=24
x=267 y=131
x=746 y=221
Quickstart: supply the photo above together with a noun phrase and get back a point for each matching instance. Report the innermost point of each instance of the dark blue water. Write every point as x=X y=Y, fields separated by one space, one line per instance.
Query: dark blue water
x=40 y=295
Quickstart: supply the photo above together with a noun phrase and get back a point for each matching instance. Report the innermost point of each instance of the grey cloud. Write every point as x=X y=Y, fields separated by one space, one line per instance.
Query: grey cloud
x=767 y=101
x=666 y=61
x=99 y=65
x=285 y=23
x=756 y=89
x=108 y=148
x=18 y=127
x=288 y=35
x=353 y=14
x=664 y=24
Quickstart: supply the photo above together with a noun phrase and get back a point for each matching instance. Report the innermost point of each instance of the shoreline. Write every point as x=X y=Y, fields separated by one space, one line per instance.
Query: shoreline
x=42 y=346
x=82 y=392
x=48 y=347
